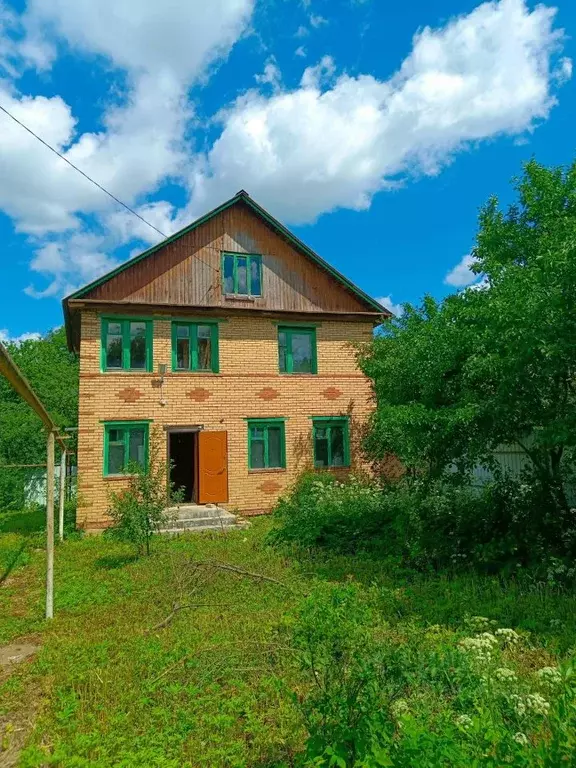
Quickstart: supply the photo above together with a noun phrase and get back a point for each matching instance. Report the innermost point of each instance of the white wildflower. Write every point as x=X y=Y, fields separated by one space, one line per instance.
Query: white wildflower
x=464 y=721
x=400 y=707
x=507 y=636
x=505 y=675
x=477 y=623
x=480 y=647
x=537 y=703
x=550 y=676
x=519 y=705
x=520 y=738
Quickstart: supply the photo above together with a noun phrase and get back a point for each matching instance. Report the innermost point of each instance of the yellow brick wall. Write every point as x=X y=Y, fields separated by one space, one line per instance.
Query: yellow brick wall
x=248 y=385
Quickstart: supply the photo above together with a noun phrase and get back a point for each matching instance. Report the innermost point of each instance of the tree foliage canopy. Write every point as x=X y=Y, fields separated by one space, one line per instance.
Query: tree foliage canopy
x=52 y=371
x=492 y=364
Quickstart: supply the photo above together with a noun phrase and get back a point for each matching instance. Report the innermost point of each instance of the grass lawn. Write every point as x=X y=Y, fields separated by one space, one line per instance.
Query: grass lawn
x=215 y=686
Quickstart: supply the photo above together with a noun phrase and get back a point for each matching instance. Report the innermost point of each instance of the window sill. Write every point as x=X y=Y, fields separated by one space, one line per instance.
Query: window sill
x=128 y=371
x=332 y=469
x=240 y=297
x=303 y=375
x=181 y=371
x=118 y=477
x=266 y=470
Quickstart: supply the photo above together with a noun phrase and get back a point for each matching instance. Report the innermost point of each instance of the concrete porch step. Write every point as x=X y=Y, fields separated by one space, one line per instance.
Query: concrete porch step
x=196 y=517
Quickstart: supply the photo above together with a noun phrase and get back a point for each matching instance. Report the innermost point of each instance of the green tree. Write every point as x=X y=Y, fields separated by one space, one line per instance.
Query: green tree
x=455 y=379
x=53 y=374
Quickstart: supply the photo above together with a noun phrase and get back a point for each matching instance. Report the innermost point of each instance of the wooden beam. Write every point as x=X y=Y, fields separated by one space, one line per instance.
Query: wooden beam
x=62 y=490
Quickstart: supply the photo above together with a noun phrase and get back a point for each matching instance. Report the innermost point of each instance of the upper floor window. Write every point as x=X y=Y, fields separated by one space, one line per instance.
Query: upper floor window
x=195 y=347
x=241 y=274
x=297 y=350
x=126 y=344
x=331 y=439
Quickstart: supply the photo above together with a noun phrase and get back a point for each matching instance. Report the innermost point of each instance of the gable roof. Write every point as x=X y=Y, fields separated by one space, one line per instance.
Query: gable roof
x=280 y=229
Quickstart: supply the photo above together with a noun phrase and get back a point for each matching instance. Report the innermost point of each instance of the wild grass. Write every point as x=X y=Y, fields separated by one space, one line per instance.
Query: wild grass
x=222 y=684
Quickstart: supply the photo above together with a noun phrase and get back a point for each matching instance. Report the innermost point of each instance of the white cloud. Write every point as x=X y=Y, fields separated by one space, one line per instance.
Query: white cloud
x=179 y=38
x=396 y=309
x=300 y=51
x=271 y=75
x=162 y=51
x=6 y=338
x=322 y=73
x=317 y=21
x=462 y=274
x=315 y=149
x=302 y=31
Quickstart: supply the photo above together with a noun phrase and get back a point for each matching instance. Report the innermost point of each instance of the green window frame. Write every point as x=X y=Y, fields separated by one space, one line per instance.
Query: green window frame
x=287 y=345
x=327 y=431
x=262 y=433
x=194 y=333
x=122 y=329
x=121 y=441
x=241 y=274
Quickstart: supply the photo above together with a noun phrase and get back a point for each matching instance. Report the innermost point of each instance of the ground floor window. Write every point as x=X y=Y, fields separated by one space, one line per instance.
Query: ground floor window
x=125 y=443
x=266 y=444
x=331 y=438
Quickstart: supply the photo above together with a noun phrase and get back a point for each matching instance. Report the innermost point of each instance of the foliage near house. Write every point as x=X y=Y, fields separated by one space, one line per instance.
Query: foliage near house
x=496 y=364
x=53 y=373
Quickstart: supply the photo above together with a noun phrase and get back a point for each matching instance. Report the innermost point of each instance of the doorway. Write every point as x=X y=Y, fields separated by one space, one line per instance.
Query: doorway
x=182 y=454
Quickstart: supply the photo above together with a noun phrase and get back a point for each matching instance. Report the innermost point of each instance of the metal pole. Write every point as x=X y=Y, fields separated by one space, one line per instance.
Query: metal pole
x=50 y=526
x=62 y=495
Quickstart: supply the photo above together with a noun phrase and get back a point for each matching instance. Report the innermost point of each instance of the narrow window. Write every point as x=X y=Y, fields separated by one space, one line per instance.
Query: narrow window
x=331 y=442
x=126 y=345
x=195 y=347
x=125 y=443
x=297 y=350
x=242 y=274
x=266 y=444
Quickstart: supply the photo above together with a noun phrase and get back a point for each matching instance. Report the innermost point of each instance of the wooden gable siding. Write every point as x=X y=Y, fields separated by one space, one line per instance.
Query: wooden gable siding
x=187 y=272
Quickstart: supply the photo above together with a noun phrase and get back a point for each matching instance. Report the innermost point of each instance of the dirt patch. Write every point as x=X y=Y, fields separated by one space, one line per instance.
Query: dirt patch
x=15 y=726
x=11 y=655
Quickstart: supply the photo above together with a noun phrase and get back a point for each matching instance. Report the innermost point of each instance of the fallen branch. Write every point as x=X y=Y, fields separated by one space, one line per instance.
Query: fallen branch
x=182 y=606
x=242 y=572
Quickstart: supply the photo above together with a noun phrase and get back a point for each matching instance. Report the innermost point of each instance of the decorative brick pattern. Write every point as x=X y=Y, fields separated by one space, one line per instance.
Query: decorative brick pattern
x=199 y=395
x=332 y=393
x=268 y=393
x=270 y=486
x=129 y=395
x=248 y=366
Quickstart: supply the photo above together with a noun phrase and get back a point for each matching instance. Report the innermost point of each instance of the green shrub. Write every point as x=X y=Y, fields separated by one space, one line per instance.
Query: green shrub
x=321 y=510
x=429 y=525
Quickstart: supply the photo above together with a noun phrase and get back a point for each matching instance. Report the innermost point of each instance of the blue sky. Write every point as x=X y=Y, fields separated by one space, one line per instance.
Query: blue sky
x=375 y=130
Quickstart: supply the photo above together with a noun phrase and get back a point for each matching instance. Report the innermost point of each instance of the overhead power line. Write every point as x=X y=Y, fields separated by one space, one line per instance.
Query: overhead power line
x=61 y=156
x=96 y=184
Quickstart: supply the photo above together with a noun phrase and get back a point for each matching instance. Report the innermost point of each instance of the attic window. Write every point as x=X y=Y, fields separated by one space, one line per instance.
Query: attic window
x=241 y=274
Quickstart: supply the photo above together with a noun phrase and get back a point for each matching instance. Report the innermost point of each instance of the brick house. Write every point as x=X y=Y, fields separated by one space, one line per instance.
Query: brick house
x=228 y=342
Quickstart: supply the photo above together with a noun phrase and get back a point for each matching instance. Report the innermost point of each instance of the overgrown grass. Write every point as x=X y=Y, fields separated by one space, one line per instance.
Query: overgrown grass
x=223 y=684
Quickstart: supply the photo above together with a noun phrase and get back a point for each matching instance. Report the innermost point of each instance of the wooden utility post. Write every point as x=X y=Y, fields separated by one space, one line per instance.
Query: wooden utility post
x=50 y=526
x=62 y=496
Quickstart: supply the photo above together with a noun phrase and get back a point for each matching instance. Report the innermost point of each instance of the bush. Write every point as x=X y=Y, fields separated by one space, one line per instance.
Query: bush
x=428 y=525
x=321 y=510
x=140 y=510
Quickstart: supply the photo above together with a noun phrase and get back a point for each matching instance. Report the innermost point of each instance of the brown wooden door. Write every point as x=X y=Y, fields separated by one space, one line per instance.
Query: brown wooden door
x=212 y=467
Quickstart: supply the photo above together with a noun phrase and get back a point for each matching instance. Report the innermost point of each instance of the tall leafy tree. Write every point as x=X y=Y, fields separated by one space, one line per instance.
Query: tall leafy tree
x=453 y=380
x=53 y=374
